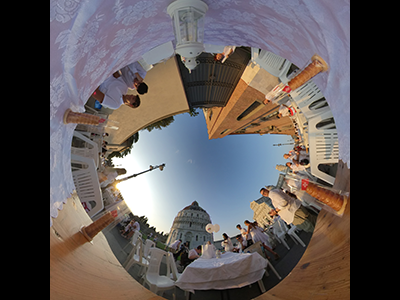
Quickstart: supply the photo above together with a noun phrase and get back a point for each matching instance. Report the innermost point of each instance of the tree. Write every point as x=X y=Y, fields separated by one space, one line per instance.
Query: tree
x=160 y=124
x=129 y=143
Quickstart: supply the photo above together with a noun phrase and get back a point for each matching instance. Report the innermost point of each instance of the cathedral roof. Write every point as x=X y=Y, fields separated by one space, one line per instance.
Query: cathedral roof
x=194 y=206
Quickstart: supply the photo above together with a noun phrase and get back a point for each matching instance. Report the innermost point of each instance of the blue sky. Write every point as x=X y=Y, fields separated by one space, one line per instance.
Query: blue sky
x=222 y=175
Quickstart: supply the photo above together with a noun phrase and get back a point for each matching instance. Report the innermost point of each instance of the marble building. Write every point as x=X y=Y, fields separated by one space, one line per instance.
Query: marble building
x=189 y=226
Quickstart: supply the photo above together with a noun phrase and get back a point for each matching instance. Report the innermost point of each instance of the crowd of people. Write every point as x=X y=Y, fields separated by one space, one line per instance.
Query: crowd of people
x=113 y=92
x=286 y=207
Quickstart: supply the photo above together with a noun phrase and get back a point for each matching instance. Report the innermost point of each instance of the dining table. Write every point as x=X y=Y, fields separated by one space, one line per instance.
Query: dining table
x=231 y=270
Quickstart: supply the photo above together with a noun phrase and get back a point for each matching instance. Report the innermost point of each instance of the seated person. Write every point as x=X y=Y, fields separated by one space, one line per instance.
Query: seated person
x=184 y=248
x=175 y=245
x=228 y=50
x=187 y=258
x=130 y=229
x=112 y=94
x=286 y=110
x=295 y=167
x=299 y=157
x=242 y=244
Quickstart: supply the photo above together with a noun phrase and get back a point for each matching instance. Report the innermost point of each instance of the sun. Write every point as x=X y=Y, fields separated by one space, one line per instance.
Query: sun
x=136 y=191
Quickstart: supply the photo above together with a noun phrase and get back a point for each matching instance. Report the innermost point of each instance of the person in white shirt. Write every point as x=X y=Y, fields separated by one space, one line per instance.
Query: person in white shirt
x=242 y=244
x=296 y=167
x=228 y=50
x=246 y=237
x=227 y=243
x=194 y=253
x=112 y=93
x=290 y=209
x=298 y=157
x=286 y=110
x=133 y=75
x=175 y=245
x=132 y=226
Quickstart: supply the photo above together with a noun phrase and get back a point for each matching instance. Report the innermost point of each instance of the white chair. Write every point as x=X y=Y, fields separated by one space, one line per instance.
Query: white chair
x=134 y=240
x=87 y=184
x=147 y=245
x=155 y=281
x=272 y=63
x=172 y=270
x=272 y=268
x=136 y=257
x=324 y=145
x=90 y=149
x=280 y=229
x=309 y=100
x=292 y=233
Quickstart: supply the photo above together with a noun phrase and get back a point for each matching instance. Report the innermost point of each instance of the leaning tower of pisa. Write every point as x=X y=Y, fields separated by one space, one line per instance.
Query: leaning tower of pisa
x=189 y=226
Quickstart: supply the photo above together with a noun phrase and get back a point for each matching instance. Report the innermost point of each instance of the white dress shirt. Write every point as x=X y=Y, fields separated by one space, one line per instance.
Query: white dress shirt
x=113 y=89
x=287 y=205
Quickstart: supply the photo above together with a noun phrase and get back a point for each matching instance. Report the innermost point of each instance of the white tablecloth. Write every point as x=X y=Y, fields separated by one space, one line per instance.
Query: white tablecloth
x=232 y=270
x=89 y=40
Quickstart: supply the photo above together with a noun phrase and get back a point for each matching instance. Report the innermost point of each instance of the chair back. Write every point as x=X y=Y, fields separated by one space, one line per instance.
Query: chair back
x=310 y=100
x=89 y=150
x=138 y=250
x=156 y=256
x=171 y=267
x=273 y=64
x=149 y=244
x=324 y=145
x=87 y=185
x=135 y=237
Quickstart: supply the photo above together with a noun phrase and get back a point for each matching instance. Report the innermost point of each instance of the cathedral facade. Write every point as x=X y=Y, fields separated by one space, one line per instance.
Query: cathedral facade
x=190 y=226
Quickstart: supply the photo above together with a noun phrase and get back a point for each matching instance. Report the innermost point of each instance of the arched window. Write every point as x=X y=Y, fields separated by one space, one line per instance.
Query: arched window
x=197 y=238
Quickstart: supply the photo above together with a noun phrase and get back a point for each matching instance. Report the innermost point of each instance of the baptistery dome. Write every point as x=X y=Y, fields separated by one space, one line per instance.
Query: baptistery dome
x=189 y=226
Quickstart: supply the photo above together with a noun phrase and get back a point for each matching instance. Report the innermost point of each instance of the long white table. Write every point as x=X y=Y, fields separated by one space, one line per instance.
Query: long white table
x=232 y=270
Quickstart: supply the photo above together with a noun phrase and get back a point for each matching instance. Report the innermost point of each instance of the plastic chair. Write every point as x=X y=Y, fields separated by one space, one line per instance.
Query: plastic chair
x=280 y=230
x=136 y=257
x=134 y=240
x=87 y=184
x=147 y=245
x=272 y=63
x=172 y=270
x=155 y=281
x=294 y=236
x=324 y=145
x=90 y=150
x=272 y=268
x=310 y=100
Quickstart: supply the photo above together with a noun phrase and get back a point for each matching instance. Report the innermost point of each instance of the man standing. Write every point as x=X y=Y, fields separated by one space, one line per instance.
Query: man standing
x=133 y=75
x=290 y=209
x=112 y=93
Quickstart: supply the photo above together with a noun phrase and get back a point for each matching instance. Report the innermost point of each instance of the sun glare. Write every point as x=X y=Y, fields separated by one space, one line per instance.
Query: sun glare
x=136 y=191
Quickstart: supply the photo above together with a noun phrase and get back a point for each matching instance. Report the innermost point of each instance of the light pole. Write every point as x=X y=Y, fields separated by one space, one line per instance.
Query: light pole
x=151 y=168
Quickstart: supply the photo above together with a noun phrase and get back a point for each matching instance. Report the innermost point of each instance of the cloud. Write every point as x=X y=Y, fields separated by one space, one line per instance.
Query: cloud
x=190 y=161
x=177 y=151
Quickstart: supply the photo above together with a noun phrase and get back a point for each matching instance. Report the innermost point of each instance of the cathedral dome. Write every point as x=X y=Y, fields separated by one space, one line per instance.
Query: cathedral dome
x=194 y=206
x=189 y=225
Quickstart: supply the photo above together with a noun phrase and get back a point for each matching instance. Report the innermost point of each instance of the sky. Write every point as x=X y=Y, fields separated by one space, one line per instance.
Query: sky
x=222 y=175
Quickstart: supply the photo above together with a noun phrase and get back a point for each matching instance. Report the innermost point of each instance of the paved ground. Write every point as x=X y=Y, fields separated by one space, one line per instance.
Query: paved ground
x=284 y=265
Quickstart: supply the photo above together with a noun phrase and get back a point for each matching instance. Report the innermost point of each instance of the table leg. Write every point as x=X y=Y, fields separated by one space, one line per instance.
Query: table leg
x=261 y=285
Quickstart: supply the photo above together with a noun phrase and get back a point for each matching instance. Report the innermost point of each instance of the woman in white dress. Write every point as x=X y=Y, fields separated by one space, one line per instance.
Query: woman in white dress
x=227 y=243
x=257 y=235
